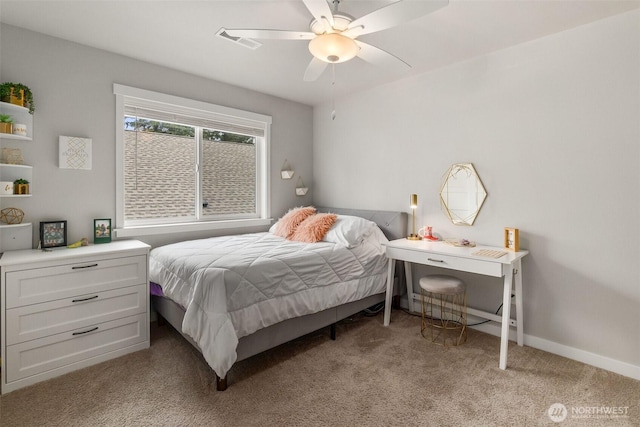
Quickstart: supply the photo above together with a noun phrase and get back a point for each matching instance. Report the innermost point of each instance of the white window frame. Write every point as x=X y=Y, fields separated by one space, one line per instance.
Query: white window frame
x=141 y=97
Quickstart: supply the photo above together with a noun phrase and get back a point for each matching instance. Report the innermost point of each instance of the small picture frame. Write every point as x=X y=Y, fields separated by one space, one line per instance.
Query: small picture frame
x=102 y=230
x=53 y=234
x=511 y=239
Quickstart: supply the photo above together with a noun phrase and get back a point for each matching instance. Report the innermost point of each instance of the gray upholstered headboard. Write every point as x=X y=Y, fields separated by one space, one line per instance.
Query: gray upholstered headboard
x=392 y=224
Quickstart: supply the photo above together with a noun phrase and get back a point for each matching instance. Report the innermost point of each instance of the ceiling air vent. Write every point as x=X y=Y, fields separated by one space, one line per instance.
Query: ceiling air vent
x=249 y=43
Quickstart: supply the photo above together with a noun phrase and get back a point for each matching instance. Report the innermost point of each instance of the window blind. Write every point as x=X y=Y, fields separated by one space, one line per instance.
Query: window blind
x=205 y=119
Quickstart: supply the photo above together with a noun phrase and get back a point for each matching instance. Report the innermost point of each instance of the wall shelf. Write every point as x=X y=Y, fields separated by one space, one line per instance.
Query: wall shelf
x=7 y=106
x=20 y=115
x=16 y=137
x=10 y=172
x=16 y=236
x=14 y=166
x=24 y=224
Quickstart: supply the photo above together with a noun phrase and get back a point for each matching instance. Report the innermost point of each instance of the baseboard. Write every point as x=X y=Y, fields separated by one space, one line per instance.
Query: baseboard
x=622 y=368
x=612 y=365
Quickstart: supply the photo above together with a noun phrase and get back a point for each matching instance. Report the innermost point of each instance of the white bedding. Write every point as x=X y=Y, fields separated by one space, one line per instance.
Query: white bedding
x=231 y=286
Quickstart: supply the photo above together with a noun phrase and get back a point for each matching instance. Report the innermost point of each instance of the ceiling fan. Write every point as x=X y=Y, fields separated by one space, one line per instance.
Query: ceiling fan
x=333 y=35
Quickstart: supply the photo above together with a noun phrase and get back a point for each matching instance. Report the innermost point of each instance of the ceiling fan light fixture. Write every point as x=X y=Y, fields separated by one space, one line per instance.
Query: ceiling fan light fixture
x=333 y=48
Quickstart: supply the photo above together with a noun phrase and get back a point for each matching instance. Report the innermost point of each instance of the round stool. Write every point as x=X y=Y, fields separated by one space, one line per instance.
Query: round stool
x=444 y=309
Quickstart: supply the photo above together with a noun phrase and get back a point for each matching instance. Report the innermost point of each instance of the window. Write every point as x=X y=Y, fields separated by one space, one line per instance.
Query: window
x=187 y=165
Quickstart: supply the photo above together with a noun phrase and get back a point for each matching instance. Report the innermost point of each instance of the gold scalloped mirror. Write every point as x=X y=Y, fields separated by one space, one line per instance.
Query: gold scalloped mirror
x=462 y=194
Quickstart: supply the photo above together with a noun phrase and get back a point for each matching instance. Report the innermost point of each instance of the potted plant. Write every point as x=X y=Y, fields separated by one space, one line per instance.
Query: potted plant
x=17 y=93
x=5 y=123
x=20 y=186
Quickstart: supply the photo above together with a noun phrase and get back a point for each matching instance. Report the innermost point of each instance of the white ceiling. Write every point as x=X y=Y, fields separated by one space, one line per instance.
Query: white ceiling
x=181 y=34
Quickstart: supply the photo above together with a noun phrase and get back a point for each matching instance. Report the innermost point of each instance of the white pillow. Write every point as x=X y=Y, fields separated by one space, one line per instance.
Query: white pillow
x=349 y=230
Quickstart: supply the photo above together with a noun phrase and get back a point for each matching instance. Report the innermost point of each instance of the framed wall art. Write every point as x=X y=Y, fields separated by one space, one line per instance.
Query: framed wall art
x=53 y=234
x=74 y=153
x=102 y=230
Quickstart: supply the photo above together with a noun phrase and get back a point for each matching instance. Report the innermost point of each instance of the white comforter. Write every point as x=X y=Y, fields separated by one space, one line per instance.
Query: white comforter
x=231 y=286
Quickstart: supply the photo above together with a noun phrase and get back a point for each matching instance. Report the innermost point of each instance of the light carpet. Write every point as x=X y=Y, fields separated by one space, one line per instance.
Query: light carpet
x=371 y=376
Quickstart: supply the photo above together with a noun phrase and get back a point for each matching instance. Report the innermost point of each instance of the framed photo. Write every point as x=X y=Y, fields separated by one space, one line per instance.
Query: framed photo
x=53 y=234
x=101 y=230
x=511 y=239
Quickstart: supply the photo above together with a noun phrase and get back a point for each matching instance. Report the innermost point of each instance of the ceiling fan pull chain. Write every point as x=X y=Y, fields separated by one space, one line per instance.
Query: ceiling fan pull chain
x=333 y=93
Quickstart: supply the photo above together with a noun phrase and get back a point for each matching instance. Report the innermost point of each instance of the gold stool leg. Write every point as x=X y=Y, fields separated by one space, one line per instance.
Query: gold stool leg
x=463 y=319
x=427 y=312
x=444 y=318
x=449 y=328
x=423 y=322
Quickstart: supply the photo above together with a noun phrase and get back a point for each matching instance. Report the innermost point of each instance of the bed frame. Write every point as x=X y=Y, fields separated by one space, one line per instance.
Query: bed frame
x=394 y=226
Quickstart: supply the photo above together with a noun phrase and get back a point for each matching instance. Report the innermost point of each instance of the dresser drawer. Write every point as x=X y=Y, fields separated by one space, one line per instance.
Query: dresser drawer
x=38 y=285
x=39 y=320
x=55 y=351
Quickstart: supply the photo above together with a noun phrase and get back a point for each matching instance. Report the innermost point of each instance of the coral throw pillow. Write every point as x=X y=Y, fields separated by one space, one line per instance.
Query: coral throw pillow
x=313 y=229
x=286 y=226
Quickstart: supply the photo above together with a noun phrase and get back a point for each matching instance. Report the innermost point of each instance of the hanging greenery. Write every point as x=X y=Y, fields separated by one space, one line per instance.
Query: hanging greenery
x=17 y=90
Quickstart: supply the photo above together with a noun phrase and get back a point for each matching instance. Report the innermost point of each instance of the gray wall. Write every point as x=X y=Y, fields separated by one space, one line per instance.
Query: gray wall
x=73 y=93
x=552 y=127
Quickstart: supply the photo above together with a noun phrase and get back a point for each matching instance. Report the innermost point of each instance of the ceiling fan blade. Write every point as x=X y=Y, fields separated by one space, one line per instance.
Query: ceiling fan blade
x=393 y=15
x=381 y=58
x=320 y=9
x=315 y=68
x=271 y=34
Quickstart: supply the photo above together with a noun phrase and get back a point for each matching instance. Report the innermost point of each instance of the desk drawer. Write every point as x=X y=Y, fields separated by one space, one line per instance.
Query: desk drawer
x=40 y=320
x=45 y=354
x=92 y=275
x=479 y=266
x=464 y=264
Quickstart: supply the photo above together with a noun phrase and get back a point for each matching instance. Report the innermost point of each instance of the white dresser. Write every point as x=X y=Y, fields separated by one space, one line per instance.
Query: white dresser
x=66 y=309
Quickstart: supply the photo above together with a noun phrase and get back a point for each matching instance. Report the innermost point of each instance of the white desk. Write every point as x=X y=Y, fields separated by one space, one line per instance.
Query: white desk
x=443 y=255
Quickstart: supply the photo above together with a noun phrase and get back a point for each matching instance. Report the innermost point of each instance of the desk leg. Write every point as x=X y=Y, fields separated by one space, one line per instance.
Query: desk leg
x=389 y=296
x=409 y=277
x=519 y=315
x=506 y=317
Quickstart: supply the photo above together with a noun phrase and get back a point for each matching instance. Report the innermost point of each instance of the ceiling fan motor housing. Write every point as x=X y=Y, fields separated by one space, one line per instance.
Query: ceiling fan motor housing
x=341 y=22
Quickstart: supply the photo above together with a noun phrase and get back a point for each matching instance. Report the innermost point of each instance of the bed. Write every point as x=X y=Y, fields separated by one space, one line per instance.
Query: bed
x=236 y=296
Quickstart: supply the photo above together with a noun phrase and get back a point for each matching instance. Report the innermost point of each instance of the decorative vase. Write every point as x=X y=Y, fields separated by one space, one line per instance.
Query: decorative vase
x=19 y=129
x=21 y=188
x=14 y=99
x=5 y=127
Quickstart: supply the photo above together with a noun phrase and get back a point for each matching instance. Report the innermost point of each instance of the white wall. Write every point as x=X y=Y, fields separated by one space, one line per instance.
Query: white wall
x=552 y=127
x=73 y=92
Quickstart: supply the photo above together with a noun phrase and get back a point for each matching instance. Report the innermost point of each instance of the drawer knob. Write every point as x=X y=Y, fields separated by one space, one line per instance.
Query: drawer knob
x=435 y=260
x=85 y=332
x=84 y=299
x=84 y=266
